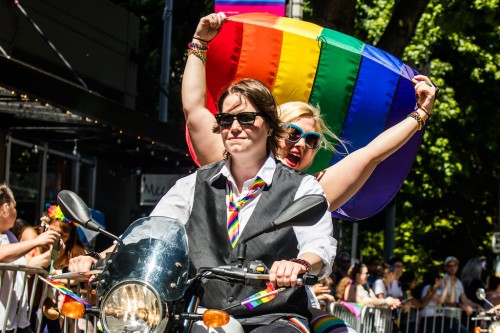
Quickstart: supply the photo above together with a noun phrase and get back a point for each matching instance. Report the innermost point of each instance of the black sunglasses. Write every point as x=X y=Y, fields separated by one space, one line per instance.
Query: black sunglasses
x=244 y=118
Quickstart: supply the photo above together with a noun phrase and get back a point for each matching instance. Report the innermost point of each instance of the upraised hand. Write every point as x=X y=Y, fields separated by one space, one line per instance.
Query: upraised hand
x=209 y=27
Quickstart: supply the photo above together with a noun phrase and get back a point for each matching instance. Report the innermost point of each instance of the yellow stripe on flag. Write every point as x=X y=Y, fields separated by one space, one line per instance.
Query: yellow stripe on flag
x=298 y=62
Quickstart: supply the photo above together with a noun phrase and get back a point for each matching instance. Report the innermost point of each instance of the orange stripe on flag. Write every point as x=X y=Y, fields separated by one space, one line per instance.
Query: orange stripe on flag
x=260 y=54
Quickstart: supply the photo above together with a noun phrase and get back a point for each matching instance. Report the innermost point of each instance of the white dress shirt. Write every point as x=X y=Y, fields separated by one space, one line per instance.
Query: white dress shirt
x=317 y=239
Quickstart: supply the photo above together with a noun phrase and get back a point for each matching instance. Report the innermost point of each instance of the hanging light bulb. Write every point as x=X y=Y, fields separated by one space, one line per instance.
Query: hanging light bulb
x=75 y=148
x=35 y=149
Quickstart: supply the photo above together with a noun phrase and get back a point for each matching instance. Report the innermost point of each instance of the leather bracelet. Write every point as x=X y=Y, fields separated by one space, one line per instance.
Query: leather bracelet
x=302 y=262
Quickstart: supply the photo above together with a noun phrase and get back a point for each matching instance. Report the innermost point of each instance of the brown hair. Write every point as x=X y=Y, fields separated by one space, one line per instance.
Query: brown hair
x=261 y=99
x=6 y=195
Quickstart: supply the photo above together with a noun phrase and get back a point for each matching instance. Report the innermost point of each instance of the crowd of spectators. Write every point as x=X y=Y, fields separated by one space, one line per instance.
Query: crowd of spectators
x=387 y=284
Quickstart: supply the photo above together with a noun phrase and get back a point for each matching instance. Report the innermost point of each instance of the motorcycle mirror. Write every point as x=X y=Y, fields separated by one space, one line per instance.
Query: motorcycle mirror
x=73 y=207
x=305 y=211
x=215 y=318
x=481 y=294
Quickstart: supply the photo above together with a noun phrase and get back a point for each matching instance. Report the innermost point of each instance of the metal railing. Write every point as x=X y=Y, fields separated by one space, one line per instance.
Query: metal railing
x=26 y=294
x=21 y=297
x=373 y=319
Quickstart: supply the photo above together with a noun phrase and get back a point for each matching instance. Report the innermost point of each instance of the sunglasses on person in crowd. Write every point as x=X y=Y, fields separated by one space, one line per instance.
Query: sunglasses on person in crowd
x=295 y=133
x=225 y=120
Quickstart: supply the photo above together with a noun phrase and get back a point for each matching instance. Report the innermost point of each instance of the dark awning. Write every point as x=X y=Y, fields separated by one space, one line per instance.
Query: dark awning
x=70 y=96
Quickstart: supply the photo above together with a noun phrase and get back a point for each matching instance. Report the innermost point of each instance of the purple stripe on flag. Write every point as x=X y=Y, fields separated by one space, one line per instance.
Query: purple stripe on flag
x=249 y=2
x=237 y=9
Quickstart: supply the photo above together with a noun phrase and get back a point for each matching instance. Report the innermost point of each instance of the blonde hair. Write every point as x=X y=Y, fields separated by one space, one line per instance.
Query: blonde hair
x=293 y=111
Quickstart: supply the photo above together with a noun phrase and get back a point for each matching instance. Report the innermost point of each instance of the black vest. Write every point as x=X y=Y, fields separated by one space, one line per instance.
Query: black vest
x=209 y=244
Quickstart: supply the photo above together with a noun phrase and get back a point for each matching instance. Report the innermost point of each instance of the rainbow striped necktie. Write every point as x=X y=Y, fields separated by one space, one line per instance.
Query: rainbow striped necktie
x=233 y=222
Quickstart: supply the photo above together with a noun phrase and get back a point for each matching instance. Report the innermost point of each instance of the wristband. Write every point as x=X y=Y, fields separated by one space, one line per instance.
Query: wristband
x=302 y=262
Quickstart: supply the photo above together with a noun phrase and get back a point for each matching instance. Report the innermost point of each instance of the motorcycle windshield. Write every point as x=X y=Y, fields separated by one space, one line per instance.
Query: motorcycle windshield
x=155 y=251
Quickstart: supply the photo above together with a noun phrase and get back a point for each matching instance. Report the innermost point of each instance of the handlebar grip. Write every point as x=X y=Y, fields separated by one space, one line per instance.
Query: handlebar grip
x=307 y=279
x=99 y=264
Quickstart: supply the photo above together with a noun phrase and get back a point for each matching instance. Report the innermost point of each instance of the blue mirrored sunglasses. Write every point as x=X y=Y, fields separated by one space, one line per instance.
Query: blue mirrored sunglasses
x=295 y=133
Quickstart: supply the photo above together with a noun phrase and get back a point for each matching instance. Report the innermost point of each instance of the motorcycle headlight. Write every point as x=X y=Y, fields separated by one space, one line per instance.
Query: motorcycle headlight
x=131 y=307
x=494 y=327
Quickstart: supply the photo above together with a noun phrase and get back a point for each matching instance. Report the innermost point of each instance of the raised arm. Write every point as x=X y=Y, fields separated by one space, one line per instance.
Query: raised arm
x=342 y=180
x=207 y=145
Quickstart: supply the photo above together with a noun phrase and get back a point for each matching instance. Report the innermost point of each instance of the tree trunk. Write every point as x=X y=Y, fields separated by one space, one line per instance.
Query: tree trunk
x=402 y=25
x=335 y=14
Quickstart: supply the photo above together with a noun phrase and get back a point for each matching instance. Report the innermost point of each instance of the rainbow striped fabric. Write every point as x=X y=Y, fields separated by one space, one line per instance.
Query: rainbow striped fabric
x=64 y=290
x=360 y=90
x=261 y=297
x=330 y=324
x=232 y=7
x=353 y=307
x=233 y=221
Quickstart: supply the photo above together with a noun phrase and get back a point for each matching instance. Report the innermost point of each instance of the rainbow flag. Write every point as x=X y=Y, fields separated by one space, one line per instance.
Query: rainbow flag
x=353 y=307
x=261 y=297
x=64 y=290
x=233 y=7
x=360 y=90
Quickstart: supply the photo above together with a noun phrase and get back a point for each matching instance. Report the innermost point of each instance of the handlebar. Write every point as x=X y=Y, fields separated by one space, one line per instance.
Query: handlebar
x=242 y=276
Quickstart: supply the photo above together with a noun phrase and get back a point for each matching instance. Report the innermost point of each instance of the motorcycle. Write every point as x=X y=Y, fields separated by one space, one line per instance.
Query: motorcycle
x=486 y=321
x=143 y=285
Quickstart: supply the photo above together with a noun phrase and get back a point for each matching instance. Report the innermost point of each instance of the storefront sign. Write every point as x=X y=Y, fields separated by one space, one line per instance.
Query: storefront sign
x=153 y=187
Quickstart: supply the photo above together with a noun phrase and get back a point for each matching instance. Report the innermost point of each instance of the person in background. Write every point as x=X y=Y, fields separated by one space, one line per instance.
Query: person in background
x=382 y=285
x=493 y=291
x=342 y=264
x=323 y=292
x=359 y=292
x=25 y=232
x=374 y=270
x=472 y=274
x=17 y=253
x=71 y=244
x=455 y=289
x=397 y=267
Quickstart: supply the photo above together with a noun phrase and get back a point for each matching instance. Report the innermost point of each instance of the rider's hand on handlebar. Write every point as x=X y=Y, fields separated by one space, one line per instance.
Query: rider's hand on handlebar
x=81 y=264
x=284 y=273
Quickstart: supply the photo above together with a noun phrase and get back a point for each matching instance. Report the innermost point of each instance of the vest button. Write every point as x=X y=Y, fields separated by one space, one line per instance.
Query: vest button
x=230 y=299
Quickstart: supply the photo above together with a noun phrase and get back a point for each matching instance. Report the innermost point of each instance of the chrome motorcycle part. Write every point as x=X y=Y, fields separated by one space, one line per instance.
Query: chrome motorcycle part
x=133 y=306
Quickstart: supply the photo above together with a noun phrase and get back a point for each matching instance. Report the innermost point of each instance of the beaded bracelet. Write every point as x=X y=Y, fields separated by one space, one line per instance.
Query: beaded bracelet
x=197 y=46
x=416 y=116
x=302 y=262
x=201 y=54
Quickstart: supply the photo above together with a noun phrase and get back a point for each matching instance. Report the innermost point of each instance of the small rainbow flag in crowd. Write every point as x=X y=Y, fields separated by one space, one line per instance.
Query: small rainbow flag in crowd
x=65 y=290
x=353 y=307
x=233 y=7
x=261 y=297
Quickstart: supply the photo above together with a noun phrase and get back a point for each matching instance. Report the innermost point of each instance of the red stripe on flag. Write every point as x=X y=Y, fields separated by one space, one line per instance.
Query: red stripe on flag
x=222 y=61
